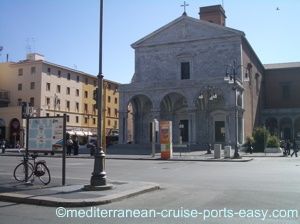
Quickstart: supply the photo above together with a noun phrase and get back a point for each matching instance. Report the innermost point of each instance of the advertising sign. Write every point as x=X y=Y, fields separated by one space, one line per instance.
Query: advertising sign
x=166 y=139
x=44 y=132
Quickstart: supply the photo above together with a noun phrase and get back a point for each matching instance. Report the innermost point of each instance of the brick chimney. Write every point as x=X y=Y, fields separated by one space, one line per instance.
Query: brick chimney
x=213 y=14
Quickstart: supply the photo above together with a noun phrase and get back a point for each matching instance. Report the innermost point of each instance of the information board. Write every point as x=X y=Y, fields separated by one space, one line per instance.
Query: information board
x=166 y=139
x=44 y=132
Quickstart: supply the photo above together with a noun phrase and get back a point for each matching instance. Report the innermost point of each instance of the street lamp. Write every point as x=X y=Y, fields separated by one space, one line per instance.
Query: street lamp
x=207 y=95
x=231 y=78
x=98 y=179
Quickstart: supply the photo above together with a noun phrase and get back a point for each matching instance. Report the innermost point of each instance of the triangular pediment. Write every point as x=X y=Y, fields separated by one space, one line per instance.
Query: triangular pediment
x=185 y=29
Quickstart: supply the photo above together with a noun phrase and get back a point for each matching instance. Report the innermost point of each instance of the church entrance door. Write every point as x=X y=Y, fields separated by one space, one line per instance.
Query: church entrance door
x=220 y=131
x=184 y=130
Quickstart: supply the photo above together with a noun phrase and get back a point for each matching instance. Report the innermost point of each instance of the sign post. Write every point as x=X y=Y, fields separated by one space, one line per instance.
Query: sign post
x=166 y=139
x=64 y=152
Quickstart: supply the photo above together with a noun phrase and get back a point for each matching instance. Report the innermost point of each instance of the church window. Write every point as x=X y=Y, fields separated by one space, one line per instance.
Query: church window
x=185 y=70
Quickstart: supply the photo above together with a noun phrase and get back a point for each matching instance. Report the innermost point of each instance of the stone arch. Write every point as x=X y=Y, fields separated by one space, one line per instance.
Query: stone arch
x=174 y=107
x=139 y=119
x=173 y=102
x=209 y=98
x=140 y=103
x=286 y=128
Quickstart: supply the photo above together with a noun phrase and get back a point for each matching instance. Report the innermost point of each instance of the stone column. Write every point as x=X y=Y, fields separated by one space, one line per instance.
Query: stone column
x=192 y=125
x=123 y=127
x=240 y=130
x=155 y=114
x=231 y=127
x=201 y=128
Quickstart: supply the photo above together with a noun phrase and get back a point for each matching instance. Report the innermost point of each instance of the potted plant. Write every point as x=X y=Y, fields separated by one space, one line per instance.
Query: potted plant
x=273 y=145
x=261 y=136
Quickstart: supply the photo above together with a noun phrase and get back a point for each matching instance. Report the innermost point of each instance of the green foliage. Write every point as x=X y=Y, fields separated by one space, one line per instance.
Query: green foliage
x=261 y=136
x=250 y=140
x=273 y=142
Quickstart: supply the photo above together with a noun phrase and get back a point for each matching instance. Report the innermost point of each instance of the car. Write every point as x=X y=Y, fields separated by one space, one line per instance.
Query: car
x=58 y=146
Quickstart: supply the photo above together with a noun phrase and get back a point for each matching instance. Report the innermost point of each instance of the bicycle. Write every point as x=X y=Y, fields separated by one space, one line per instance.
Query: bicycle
x=38 y=169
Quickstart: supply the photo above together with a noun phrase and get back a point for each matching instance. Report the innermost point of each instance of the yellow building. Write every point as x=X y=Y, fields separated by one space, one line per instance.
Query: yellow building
x=54 y=90
x=111 y=105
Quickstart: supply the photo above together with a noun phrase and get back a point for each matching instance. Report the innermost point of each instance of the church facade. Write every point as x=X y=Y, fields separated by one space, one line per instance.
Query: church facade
x=179 y=77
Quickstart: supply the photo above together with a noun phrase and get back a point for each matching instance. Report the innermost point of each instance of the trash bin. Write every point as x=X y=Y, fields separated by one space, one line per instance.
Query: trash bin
x=227 y=152
x=217 y=151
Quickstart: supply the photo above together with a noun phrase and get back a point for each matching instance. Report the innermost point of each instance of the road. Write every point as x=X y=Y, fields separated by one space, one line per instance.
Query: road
x=262 y=186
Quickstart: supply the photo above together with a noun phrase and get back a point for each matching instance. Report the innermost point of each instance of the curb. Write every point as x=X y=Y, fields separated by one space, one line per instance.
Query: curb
x=246 y=158
x=183 y=160
x=61 y=202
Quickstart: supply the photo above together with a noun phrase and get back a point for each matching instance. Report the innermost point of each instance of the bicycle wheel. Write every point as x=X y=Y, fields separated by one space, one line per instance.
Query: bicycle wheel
x=42 y=172
x=19 y=172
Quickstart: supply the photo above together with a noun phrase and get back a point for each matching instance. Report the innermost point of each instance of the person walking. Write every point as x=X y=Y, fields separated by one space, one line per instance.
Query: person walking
x=69 y=146
x=295 y=149
x=288 y=147
x=75 y=145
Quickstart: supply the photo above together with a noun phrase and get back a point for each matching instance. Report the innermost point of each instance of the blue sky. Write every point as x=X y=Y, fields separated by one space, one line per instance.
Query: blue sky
x=66 y=32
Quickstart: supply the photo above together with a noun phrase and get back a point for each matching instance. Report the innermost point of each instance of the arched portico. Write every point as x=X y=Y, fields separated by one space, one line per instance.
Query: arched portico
x=139 y=112
x=210 y=116
x=174 y=107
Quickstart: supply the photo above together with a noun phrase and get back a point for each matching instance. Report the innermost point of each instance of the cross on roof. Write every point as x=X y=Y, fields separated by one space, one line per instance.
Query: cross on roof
x=184 y=7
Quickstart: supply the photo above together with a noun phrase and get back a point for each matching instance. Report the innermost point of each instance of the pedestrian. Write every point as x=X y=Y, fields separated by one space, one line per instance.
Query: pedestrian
x=295 y=149
x=250 y=147
x=75 y=145
x=3 y=145
x=287 y=147
x=18 y=146
x=69 y=146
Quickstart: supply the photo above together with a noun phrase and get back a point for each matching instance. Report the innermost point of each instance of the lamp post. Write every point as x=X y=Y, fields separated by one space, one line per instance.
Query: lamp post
x=207 y=94
x=98 y=179
x=181 y=127
x=231 y=78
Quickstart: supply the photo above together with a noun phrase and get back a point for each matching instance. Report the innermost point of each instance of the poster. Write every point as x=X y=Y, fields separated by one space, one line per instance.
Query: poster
x=166 y=139
x=44 y=132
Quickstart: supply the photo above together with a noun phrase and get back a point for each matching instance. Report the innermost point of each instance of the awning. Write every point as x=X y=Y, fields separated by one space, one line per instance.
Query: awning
x=88 y=133
x=79 y=133
x=71 y=132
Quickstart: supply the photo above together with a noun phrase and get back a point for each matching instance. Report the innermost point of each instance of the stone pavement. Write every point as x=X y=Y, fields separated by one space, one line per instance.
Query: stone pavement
x=177 y=156
x=71 y=195
x=74 y=196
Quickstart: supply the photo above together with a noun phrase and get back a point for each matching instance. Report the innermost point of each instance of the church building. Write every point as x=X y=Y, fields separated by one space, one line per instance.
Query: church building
x=199 y=74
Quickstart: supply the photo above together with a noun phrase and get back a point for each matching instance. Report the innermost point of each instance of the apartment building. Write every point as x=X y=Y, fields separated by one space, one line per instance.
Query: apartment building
x=53 y=90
